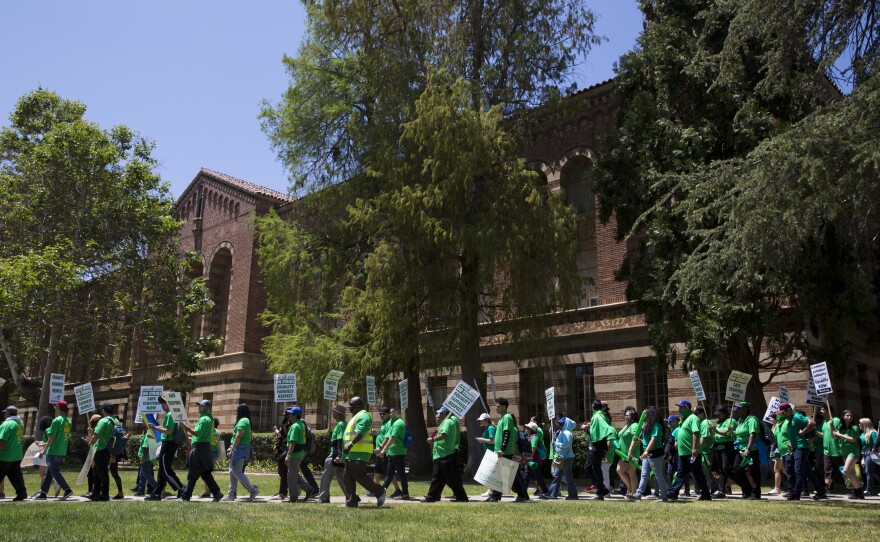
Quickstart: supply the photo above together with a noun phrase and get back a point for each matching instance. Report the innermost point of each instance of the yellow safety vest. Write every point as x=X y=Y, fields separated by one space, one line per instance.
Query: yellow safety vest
x=365 y=444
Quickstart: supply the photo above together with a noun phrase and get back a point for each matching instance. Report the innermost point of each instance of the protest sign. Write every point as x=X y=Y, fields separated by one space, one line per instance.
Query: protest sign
x=404 y=394
x=783 y=394
x=84 y=471
x=698 y=385
x=85 y=398
x=285 y=388
x=371 y=390
x=331 y=384
x=736 y=386
x=461 y=399
x=30 y=456
x=149 y=399
x=813 y=398
x=176 y=407
x=496 y=473
x=772 y=407
x=56 y=388
x=821 y=378
x=550 y=396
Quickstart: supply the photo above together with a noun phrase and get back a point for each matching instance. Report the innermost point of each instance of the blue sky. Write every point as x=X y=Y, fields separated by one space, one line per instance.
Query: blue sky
x=191 y=74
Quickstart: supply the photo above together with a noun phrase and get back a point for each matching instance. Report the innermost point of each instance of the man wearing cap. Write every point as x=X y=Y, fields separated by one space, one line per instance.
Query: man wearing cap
x=167 y=451
x=296 y=452
x=380 y=469
x=358 y=449
x=333 y=465
x=101 y=438
x=56 y=449
x=689 y=453
x=749 y=463
x=200 y=460
x=506 y=445
x=723 y=456
x=394 y=449
x=799 y=426
x=445 y=469
x=670 y=448
x=601 y=435
x=11 y=452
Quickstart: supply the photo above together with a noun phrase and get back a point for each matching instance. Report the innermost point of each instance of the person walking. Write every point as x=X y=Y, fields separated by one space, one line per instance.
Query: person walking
x=723 y=453
x=832 y=458
x=850 y=450
x=868 y=441
x=56 y=450
x=445 y=468
x=689 y=452
x=167 y=451
x=533 y=467
x=146 y=483
x=101 y=439
x=296 y=451
x=506 y=440
x=11 y=452
x=563 y=462
x=358 y=450
x=487 y=438
x=799 y=428
x=239 y=454
x=601 y=436
x=200 y=460
x=380 y=464
x=394 y=449
x=281 y=433
x=784 y=465
x=334 y=465
x=629 y=445
x=652 y=432
x=749 y=462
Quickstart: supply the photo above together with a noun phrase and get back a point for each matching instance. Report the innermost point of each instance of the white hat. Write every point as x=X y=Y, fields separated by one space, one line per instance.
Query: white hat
x=484 y=416
x=533 y=426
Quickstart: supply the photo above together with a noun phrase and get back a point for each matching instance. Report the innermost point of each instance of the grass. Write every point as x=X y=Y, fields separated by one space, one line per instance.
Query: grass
x=609 y=520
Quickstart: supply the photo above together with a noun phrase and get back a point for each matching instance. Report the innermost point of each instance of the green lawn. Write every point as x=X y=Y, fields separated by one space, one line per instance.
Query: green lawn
x=730 y=520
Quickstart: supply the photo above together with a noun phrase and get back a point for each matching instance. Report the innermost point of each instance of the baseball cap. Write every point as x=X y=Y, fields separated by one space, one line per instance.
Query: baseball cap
x=204 y=402
x=443 y=410
x=783 y=407
x=484 y=416
x=384 y=410
x=61 y=404
x=672 y=418
x=12 y=410
x=683 y=403
x=107 y=408
x=295 y=411
x=745 y=404
x=533 y=426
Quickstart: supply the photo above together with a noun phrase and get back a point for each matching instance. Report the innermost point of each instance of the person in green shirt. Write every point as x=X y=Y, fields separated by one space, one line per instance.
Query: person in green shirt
x=296 y=452
x=357 y=450
x=167 y=451
x=652 y=434
x=146 y=482
x=832 y=460
x=11 y=452
x=601 y=436
x=487 y=438
x=723 y=453
x=506 y=446
x=200 y=460
x=381 y=464
x=445 y=468
x=784 y=465
x=394 y=449
x=533 y=467
x=239 y=454
x=628 y=445
x=749 y=463
x=334 y=465
x=850 y=450
x=57 y=435
x=690 y=455
x=100 y=439
x=799 y=427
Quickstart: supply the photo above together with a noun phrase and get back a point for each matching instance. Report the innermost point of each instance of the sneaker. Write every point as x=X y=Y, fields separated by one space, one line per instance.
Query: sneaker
x=599 y=498
x=687 y=494
x=631 y=498
x=651 y=497
x=217 y=498
x=397 y=493
x=19 y=498
x=40 y=496
x=774 y=491
x=67 y=494
x=521 y=499
x=547 y=497
x=153 y=498
x=719 y=495
x=428 y=499
x=205 y=495
x=229 y=498
x=487 y=494
x=590 y=489
x=401 y=497
x=118 y=497
x=253 y=494
x=139 y=494
x=278 y=497
x=380 y=500
x=181 y=499
x=820 y=497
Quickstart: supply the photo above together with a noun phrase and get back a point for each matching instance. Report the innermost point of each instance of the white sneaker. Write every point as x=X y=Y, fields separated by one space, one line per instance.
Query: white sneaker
x=254 y=493
x=487 y=494
x=774 y=491
x=229 y=498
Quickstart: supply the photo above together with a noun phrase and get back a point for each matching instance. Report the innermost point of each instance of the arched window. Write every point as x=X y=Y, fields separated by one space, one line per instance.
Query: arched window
x=219 y=277
x=577 y=185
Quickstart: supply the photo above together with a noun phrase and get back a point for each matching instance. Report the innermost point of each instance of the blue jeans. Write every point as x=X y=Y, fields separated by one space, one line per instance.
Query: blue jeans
x=805 y=472
x=53 y=471
x=529 y=472
x=658 y=465
x=688 y=465
x=791 y=472
x=146 y=483
x=556 y=485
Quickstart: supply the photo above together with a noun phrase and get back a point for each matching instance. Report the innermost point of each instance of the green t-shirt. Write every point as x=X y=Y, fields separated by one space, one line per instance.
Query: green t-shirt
x=850 y=449
x=297 y=435
x=11 y=432
x=686 y=431
x=868 y=445
x=383 y=432
x=168 y=423
x=363 y=425
x=726 y=426
x=489 y=433
x=657 y=434
x=600 y=429
x=745 y=428
x=506 y=424
x=243 y=424
x=204 y=429
x=61 y=429
x=797 y=422
x=444 y=447
x=782 y=432
x=626 y=436
x=707 y=436
x=830 y=446
x=338 y=431
x=397 y=429
x=104 y=430
x=541 y=443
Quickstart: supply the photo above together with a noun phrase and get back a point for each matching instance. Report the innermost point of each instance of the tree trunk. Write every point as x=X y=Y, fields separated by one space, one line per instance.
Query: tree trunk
x=51 y=357
x=742 y=358
x=26 y=387
x=420 y=461
x=471 y=368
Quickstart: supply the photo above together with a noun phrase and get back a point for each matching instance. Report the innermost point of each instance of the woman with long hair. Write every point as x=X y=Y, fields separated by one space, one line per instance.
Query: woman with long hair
x=850 y=450
x=651 y=433
x=868 y=440
x=240 y=454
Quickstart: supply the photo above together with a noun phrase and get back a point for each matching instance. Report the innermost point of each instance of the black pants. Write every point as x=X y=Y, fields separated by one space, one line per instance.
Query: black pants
x=597 y=453
x=723 y=458
x=201 y=465
x=688 y=465
x=518 y=487
x=749 y=476
x=396 y=465
x=445 y=472
x=114 y=472
x=282 y=473
x=12 y=470
x=166 y=472
x=102 y=476
x=356 y=473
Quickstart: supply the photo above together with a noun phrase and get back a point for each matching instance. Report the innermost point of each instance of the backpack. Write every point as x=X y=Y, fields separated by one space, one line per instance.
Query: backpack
x=310 y=439
x=765 y=438
x=407 y=439
x=179 y=436
x=118 y=439
x=525 y=447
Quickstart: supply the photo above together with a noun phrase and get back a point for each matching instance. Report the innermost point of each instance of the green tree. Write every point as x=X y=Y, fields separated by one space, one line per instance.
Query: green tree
x=89 y=262
x=421 y=102
x=721 y=166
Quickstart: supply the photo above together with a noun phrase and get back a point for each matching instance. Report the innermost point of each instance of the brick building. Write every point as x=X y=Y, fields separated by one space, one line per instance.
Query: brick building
x=599 y=349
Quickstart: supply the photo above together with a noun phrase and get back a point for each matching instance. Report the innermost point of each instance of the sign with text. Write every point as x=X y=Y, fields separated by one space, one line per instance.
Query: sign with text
x=813 y=398
x=56 y=388
x=698 y=385
x=85 y=398
x=550 y=396
x=149 y=399
x=783 y=394
x=772 y=407
x=285 y=388
x=496 y=473
x=176 y=408
x=821 y=378
x=371 y=390
x=428 y=392
x=331 y=384
x=404 y=394
x=461 y=399
x=736 y=386
x=494 y=388
x=84 y=471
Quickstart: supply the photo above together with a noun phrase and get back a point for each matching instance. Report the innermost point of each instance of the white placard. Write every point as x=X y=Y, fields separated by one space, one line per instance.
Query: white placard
x=814 y=398
x=85 y=398
x=84 y=471
x=149 y=400
x=783 y=394
x=494 y=389
x=428 y=392
x=404 y=394
x=371 y=390
x=461 y=399
x=496 y=473
x=736 y=386
x=772 y=407
x=285 y=388
x=56 y=388
x=550 y=396
x=698 y=385
x=176 y=408
x=152 y=448
x=331 y=384
x=821 y=378
x=30 y=455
